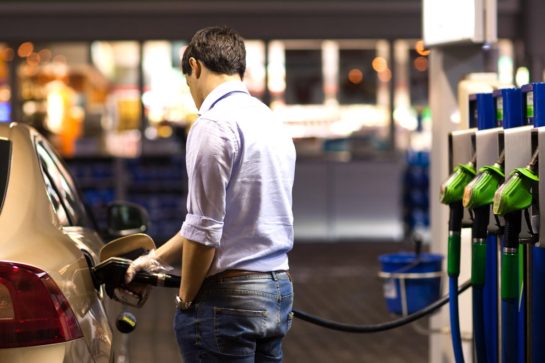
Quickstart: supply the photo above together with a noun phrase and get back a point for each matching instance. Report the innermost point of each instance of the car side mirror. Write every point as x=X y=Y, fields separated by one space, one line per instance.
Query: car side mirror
x=125 y=218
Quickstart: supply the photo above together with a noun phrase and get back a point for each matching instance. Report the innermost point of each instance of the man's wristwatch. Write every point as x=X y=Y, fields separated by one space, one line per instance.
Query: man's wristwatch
x=182 y=305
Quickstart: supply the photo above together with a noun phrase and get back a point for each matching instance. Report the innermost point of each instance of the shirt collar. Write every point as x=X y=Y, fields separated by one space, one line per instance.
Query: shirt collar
x=221 y=91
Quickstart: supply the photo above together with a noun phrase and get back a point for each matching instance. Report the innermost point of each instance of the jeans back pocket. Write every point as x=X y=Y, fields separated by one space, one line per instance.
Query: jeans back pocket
x=236 y=330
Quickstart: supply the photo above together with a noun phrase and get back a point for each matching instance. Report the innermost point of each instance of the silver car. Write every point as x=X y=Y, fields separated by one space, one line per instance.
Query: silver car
x=51 y=309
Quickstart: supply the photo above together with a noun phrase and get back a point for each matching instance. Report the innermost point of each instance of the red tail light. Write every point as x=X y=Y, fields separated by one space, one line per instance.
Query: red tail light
x=33 y=311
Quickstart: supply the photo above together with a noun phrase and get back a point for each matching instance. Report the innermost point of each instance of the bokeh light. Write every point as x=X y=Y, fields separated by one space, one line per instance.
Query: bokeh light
x=385 y=76
x=25 y=49
x=421 y=49
x=379 y=64
x=33 y=59
x=45 y=55
x=355 y=76
x=421 y=64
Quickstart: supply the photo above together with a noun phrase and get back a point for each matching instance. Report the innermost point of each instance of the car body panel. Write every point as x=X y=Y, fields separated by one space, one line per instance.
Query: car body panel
x=72 y=351
x=33 y=234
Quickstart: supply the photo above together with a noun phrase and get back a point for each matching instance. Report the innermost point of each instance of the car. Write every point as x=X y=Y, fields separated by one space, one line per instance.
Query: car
x=51 y=307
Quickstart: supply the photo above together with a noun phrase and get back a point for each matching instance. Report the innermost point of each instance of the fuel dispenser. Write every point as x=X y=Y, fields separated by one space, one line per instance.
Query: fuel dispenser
x=512 y=201
x=478 y=197
x=516 y=218
x=462 y=163
x=534 y=107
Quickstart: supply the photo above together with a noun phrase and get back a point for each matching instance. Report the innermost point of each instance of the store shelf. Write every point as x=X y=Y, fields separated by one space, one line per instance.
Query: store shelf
x=416 y=202
x=157 y=183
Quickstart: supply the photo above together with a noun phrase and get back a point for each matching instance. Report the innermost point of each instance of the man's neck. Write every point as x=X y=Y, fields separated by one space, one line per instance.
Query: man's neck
x=213 y=80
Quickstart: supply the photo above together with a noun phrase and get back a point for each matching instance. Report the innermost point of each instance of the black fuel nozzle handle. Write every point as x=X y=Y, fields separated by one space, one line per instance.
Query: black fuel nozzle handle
x=513 y=221
x=112 y=273
x=480 y=222
x=157 y=279
x=455 y=217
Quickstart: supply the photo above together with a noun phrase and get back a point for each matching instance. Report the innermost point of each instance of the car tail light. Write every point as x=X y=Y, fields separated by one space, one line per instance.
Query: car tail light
x=33 y=311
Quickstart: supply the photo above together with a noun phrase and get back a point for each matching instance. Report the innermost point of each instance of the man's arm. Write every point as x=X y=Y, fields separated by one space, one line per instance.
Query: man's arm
x=171 y=251
x=157 y=260
x=211 y=151
x=196 y=261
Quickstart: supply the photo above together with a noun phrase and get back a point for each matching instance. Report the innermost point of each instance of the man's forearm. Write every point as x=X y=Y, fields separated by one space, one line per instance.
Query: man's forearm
x=196 y=261
x=171 y=250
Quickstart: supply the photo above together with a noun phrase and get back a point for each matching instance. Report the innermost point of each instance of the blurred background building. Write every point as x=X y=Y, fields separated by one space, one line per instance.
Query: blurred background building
x=348 y=78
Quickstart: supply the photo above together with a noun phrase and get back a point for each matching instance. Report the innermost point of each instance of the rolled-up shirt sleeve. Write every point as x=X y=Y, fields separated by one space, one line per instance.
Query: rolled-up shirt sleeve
x=210 y=154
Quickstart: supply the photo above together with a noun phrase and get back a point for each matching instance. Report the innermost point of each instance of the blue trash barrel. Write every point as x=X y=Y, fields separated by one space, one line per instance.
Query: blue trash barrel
x=421 y=276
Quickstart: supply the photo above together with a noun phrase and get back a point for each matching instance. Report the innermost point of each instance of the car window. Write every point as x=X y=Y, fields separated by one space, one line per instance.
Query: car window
x=5 y=156
x=55 y=200
x=62 y=183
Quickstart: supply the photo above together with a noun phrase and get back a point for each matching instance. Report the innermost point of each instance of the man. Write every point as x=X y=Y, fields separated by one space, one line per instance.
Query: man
x=236 y=296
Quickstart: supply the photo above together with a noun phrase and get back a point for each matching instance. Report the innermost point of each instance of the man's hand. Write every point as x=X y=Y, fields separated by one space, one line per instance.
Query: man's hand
x=148 y=262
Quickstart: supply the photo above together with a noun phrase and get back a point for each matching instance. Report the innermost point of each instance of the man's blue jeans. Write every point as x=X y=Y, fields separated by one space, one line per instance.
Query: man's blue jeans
x=237 y=319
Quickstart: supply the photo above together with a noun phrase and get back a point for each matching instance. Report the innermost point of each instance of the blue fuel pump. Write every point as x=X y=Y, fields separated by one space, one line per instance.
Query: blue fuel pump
x=478 y=197
x=517 y=142
x=461 y=149
x=534 y=113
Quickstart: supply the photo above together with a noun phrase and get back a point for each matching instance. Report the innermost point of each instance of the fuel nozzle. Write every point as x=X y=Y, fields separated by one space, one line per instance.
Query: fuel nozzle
x=452 y=190
x=478 y=196
x=511 y=198
x=516 y=193
x=480 y=191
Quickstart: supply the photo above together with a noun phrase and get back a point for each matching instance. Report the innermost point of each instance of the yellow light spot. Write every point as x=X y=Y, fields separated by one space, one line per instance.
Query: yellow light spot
x=379 y=64
x=164 y=131
x=421 y=49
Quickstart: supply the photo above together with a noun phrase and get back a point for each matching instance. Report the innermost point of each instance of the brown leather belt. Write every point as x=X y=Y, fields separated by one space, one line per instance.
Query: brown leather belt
x=238 y=273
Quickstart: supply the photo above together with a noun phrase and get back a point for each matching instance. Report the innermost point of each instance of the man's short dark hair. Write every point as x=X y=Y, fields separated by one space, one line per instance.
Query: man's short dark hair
x=220 y=48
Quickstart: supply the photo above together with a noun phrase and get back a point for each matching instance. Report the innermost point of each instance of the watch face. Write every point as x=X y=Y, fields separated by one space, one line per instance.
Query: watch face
x=182 y=305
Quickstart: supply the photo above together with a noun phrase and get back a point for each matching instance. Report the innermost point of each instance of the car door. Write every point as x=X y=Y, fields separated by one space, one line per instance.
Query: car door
x=77 y=226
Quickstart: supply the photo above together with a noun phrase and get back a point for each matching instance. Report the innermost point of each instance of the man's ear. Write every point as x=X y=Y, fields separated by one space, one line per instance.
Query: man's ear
x=195 y=67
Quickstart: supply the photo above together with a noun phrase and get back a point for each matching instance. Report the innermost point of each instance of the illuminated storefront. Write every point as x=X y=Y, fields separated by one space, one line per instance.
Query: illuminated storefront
x=343 y=97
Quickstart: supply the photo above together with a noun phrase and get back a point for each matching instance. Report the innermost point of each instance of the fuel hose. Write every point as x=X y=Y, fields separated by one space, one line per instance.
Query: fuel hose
x=453 y=270
x=167 y=280
x=478 y=196
x=375 y=328
x=478 y=270
x=509 y=286
x=452 y=191
x=513 y=196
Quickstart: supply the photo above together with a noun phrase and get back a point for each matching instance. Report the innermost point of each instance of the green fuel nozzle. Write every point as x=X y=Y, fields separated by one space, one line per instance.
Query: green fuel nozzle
x=480 y=191
x=510 y=199
x=478 y=196
x=452 y=190
x=516 y=193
